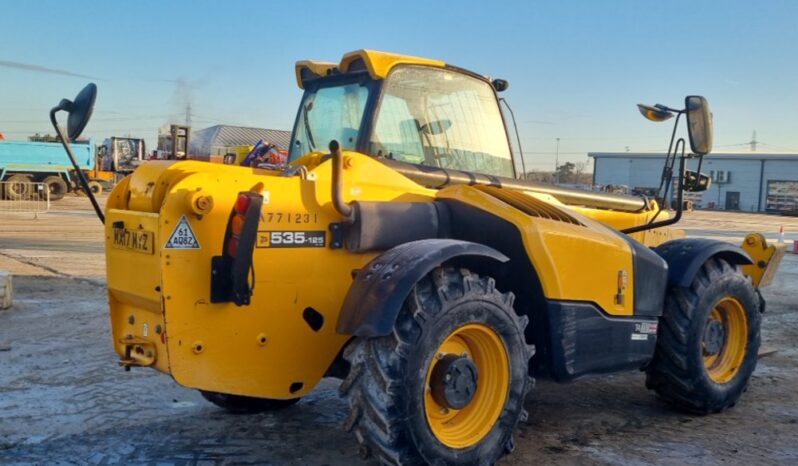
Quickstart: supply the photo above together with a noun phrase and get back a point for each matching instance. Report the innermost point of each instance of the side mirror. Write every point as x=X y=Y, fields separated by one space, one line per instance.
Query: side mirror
x=696 y=182
x=500 y=85
x=79 y=110
x=699 y=124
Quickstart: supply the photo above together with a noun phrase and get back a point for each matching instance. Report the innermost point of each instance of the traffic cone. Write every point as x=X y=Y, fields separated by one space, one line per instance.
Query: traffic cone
x=781 y=234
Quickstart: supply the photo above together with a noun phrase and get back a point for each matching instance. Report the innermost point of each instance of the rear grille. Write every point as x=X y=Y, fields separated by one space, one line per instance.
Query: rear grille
x=529 y=205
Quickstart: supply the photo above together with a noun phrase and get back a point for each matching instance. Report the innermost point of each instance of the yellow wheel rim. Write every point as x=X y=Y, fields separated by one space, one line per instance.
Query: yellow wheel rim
x=462 y=428
x=725 y=340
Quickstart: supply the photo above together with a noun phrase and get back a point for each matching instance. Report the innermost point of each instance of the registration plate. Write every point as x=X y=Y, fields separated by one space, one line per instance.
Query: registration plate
x=134 y=240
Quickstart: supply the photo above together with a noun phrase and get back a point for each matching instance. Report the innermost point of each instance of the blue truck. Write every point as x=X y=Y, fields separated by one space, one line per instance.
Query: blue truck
x=23 y=162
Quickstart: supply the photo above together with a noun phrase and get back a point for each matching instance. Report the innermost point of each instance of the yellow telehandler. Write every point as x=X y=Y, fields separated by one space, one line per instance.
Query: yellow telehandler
x=402 y=250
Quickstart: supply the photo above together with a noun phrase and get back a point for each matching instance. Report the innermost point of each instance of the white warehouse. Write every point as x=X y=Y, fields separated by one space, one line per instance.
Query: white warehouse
x=752 y=181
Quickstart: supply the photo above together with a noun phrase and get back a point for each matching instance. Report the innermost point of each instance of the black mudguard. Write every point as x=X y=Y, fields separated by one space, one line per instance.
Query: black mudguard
x=380 y=288
x=686 y=256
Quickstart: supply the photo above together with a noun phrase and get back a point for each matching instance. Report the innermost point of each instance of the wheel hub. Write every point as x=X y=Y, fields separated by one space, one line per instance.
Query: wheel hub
x=714 y=336
x=454 y=381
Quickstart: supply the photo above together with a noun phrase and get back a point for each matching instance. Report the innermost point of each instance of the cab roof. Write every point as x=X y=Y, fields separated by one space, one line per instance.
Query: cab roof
x=378 y=64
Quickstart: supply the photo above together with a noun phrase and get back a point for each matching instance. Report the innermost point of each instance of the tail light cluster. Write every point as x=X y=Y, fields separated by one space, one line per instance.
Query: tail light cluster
x=232 y=273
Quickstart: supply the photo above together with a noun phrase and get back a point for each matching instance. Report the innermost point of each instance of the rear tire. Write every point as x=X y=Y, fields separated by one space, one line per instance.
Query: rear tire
x=707 y=341
x=56 y=186
x=394 y=386
x=18 y=187
x=239 y=404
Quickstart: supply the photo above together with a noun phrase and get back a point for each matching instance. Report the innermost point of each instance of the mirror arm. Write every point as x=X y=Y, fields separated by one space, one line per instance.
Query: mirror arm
x=667 y=169
x=668 y=109
x=673 y=133
x=679 y=199
x=84 y=183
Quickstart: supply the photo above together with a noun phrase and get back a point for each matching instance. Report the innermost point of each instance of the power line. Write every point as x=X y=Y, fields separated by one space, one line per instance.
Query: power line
x=552 y=153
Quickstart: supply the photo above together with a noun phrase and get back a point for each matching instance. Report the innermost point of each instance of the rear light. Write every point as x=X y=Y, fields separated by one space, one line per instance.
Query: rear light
x=232 y=274
x=242 y=203
x=236 y=225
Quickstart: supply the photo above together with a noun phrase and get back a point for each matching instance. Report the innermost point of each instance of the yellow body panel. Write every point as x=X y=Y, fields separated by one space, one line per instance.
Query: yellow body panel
x=573 y=262
x=379 y=64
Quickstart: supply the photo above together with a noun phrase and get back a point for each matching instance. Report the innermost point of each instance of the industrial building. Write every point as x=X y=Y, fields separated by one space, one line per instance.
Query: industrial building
x=752 y=182
x=217 y=140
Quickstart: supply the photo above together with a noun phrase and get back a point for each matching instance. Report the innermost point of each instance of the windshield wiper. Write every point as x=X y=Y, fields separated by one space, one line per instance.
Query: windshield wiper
x=306 y=120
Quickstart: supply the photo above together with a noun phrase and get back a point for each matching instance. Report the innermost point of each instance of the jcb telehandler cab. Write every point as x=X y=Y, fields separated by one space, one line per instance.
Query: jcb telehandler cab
x=401 y=251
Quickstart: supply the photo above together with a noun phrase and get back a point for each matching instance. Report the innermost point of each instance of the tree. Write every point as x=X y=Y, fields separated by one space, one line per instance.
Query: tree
x=565 y=172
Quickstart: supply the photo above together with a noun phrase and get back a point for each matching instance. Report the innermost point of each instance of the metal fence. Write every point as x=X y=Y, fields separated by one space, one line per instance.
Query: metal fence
x=24 y=197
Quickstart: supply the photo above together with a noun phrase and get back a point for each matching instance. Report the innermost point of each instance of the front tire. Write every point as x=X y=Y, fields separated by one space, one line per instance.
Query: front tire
x=447 y=386
x=707 y=341
x=238 y=404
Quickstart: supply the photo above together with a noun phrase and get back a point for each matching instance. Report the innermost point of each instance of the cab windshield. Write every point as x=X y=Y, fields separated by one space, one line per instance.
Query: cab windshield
x=441 y=118
x=331 y=111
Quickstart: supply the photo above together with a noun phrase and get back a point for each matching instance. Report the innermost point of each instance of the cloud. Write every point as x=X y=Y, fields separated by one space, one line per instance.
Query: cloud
x=42 y=69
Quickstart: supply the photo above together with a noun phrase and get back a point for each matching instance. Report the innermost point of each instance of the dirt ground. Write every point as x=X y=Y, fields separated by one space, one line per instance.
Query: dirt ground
x=64 y=399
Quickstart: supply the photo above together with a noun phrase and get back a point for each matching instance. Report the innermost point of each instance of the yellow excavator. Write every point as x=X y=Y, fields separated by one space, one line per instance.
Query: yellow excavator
x=402 y=250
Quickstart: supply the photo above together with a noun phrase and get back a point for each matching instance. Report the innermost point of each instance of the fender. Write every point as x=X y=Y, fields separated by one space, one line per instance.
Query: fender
x=686 y=256
x=381 y=286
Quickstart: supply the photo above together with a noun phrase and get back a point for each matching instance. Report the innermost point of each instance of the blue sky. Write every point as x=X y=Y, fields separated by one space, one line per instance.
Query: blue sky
x=576 y=68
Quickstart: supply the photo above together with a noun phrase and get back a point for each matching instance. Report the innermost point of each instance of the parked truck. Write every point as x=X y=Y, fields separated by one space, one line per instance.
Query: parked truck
x=26 y=162
x=23 y=163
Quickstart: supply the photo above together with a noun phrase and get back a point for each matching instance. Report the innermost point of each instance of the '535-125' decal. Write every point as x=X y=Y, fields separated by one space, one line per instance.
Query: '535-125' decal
x=291 y=239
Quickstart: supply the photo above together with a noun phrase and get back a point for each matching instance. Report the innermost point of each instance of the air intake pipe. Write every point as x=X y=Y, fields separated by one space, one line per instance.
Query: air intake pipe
x=340 y=205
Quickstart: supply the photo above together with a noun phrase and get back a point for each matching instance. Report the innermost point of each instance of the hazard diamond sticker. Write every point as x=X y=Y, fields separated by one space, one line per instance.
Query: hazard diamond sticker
x=183 y=237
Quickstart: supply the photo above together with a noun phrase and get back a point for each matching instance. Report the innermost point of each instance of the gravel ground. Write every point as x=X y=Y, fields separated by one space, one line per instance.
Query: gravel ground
x=64 y=400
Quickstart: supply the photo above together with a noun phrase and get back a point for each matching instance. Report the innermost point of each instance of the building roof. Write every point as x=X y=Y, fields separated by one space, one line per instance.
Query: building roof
x=205 y=140
x=713 y=155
